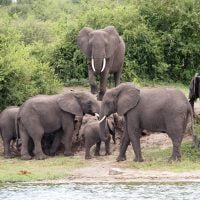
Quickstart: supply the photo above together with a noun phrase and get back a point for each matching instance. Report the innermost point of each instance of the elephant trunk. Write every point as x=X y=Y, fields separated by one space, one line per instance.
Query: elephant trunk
x=103 y=130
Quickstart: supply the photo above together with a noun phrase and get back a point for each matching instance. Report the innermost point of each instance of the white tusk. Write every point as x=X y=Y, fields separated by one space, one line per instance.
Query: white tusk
x=104 y=64
x=102 y=119
x=93 y=65
x=97 y=115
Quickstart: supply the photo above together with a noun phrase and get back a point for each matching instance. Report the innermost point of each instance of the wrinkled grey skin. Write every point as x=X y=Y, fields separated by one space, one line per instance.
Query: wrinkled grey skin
x=47 y=114
x=53 y=142
x=89 y=134
x=156 y=110
x=99 y=44
x=7 y=129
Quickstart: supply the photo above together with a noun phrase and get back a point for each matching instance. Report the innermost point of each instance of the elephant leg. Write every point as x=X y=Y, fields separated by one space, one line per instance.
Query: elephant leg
x=134 y=135
x=92 y=81
x=24 y=148
x=88 y=145
x=68 y=131
x=37 y=134
x=117 y=78
x=56 y=143
x=7 y=152
x=97 y=150
x=125 y=141
x=176 y=142
x=135 y=141
x=103 y=83
x=107 y=146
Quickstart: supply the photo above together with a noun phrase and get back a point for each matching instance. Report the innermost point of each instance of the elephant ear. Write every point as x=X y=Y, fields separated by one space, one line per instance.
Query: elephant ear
x=113 y=40
x=83 y=41
x=128 y=98
x=69 y=103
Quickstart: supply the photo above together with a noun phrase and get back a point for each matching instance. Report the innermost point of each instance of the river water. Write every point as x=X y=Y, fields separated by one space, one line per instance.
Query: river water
x=100 y=191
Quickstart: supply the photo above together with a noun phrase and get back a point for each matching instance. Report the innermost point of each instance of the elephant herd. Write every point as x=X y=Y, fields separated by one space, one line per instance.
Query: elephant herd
x=44 y=122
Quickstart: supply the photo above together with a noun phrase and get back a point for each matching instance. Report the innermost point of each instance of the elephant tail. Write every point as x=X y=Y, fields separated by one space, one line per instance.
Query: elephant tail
x=17 y=121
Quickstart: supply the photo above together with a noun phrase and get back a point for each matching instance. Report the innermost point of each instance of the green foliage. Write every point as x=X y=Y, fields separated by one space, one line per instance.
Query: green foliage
x=38 y=37
x=5 y=2
x=177 y=24
x=21 y=75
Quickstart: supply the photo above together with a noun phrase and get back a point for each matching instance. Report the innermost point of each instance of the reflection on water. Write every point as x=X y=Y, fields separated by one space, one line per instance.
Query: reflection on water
x=101 y=191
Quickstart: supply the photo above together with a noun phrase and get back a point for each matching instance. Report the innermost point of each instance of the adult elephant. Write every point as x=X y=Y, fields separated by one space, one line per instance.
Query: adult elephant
x=153 y=109
x=47 y=114
x=105 y=50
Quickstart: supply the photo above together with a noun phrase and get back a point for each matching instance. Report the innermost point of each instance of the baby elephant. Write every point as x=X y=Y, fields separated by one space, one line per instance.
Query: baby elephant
x=7 y=128
x=89 y=134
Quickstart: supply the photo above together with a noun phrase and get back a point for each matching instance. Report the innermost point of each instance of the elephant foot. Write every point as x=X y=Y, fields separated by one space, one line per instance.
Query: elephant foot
x=8 y=156
x=40 y=157
x=52 y=153
x=26 y=157
x=107 y=153
x=68 y=154
x=121 y=158
x=174 y=159
x=97 y=154
x=87 y=157
x=138 y=160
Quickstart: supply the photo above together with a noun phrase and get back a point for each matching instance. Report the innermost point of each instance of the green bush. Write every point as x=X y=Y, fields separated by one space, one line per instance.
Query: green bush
x=21 y=75
x=38 y=38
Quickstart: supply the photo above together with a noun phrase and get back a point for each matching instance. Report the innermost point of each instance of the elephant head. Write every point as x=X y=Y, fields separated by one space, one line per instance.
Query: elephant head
x=194 y=88
x=98 y=45
x=120 y=99
x=78 y=103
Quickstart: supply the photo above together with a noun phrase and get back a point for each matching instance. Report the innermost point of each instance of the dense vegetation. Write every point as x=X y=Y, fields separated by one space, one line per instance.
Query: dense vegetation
x=38 y=49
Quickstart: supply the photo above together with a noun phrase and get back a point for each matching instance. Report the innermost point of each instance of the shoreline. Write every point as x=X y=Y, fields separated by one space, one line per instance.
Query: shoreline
x=125 y=176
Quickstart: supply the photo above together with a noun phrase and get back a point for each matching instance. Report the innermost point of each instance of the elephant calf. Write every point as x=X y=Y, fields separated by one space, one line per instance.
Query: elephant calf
x=7 y=128
x=89 y=134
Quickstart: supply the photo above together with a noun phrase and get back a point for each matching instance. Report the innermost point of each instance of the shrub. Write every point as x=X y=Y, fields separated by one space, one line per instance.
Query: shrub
x=21 y=75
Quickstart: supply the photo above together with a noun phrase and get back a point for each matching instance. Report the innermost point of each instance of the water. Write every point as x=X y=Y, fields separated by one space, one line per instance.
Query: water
x=101 y=191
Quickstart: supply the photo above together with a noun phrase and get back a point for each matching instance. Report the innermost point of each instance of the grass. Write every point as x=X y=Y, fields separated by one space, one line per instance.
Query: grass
x=182 y=87
x=15 y=170
x=157 y=159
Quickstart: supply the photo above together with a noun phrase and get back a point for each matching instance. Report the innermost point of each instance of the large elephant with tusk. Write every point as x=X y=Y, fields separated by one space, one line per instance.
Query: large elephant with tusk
x=153 y=109
x=105 y=50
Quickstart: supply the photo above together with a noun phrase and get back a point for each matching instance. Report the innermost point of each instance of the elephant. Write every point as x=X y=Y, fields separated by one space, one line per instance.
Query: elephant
x=152 y=109
x=7 y=128
x=89 y=136
x=49 y=113
x=8 y=132
x=105 y=51
x=194 y=90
